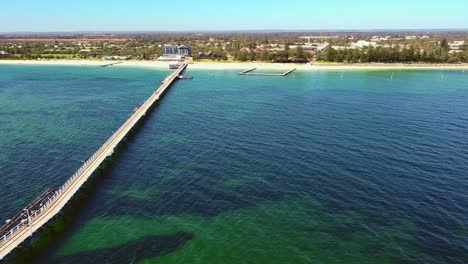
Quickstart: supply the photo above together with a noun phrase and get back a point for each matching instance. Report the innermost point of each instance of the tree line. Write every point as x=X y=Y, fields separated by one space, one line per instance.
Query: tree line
x=439 y=54
x=288 y=55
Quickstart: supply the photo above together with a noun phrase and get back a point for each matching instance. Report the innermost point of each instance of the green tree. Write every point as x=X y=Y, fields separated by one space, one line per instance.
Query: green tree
x=328 y=54
x=444 y=44
x=299 y=53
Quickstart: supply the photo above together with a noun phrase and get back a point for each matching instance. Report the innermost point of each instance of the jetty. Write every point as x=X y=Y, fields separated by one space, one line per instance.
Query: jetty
x=251 y=73
x=49 y=204
x=247 y=71
x=111 y=64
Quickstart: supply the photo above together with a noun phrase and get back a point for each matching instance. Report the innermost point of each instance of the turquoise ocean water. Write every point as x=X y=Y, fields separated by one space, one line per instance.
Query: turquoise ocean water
x=315 y=167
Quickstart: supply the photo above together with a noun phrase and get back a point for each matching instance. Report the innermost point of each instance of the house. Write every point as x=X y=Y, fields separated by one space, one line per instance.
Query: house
x=208 y=56
x=205 y=56
x=4 y=53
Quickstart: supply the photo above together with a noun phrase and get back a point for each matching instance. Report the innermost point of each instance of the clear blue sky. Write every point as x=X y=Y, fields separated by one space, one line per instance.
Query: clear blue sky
x=131 y=15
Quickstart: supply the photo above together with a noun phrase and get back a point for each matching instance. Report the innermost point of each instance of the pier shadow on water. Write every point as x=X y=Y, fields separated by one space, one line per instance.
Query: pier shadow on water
x=148 y=247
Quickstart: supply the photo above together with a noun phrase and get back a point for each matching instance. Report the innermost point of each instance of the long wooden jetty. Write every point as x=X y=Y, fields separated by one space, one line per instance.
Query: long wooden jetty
x=250 y=73
x=33 y=218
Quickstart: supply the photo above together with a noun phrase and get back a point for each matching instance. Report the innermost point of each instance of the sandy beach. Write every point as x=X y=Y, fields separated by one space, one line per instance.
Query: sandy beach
x=243 y=66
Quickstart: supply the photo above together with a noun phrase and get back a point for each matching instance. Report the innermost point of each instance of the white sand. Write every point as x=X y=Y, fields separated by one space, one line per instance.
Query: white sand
x=243 y=66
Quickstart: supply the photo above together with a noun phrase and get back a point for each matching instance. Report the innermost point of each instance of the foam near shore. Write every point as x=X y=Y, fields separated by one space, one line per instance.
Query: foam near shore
x=243 y=66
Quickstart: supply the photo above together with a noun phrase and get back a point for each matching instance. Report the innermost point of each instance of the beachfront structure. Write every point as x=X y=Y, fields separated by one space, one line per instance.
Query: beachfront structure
x=185 y=51
x=205 y=56
x=170 y=50
x=177 y=51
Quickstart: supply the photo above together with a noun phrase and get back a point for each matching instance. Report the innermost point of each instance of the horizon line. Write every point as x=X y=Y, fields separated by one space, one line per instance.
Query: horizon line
x=243 y=30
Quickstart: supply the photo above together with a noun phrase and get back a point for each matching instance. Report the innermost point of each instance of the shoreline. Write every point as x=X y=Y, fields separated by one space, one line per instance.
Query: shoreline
x=243 y=65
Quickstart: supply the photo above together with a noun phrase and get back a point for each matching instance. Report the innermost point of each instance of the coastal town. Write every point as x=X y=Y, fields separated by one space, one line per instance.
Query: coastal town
x=271 y=47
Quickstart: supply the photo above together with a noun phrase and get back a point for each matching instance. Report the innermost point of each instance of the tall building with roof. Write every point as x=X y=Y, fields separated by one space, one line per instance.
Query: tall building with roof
x=177 y=50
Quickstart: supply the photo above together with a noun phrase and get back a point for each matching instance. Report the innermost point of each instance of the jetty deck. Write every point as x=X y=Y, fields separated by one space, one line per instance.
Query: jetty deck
x=250 y=72
x=247 y=71
x=37 y=217
x=111 y=64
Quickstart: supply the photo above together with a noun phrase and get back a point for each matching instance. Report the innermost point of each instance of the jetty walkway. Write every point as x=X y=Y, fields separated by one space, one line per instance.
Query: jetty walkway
x=34 y=217
x=111 y=64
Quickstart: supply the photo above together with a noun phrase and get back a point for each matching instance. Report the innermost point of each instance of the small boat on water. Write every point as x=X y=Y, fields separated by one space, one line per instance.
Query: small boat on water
x=174 y=66
x=185 y=77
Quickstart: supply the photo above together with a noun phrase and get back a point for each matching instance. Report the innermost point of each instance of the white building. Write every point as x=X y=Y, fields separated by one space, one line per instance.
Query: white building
x=322 y=46
x=339 y=47
x=378 y=38
x=362 y=43
x=457 y=43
